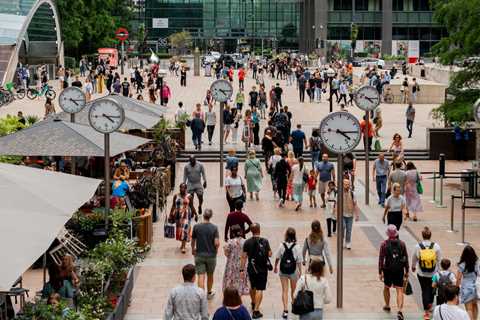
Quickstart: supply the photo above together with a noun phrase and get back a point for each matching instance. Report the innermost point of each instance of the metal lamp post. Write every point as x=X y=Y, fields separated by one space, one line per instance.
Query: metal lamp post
x=331 y=74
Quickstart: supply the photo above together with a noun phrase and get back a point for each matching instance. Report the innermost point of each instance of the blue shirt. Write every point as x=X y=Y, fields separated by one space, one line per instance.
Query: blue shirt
x=121 y=190
x=297 y=139
x=232 y=162
x=325 y=169
x=235 y=314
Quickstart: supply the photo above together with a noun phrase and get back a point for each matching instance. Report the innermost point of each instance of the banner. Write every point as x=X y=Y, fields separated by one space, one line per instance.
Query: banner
x=400 y=48
x=160 y=23
x=414 y=49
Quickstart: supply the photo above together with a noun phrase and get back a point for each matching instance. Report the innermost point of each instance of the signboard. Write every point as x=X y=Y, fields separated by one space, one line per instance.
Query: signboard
x=400 y=48
x=414 y=49
x=163 y=42
x=160 y=23
x=121 y=34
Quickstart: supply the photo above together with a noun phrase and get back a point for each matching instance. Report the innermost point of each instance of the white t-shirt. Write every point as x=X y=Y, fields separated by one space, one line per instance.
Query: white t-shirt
x=449 y=312
x=234 y=186
x=297 y=174
x=297 y=251
x=395 y=204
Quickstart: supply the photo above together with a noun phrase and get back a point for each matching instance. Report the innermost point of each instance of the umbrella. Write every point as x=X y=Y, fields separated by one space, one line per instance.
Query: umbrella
x=141 y=106
x=35 y=206
x=60 y=138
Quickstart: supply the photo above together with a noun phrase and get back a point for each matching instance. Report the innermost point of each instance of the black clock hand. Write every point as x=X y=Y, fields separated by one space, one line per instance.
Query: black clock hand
x=74 y=101
x=110 y=117
x=370 y=99
x=343 y=134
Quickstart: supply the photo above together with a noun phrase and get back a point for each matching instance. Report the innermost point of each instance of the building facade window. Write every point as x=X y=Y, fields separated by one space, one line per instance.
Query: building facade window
x=397 y=5
x=342 y=5
x=361 y=5
x=421 y=5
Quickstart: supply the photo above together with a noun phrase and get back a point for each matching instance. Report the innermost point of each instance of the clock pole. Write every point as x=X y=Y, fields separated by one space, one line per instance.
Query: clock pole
x=367 y=158
x=72 y=120
x=340 y=231
x=107 y=178
x=222 y=106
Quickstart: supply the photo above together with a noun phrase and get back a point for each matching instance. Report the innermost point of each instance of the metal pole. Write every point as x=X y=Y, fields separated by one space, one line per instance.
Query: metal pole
x=434 y=200
x=161 y=91
x=72 y=120
x=123 y=55
x=340 y=231
x=463 y=217
x=44 y=268
x=220 y=130
x=331 y=93
x=441 y=205
x=107 y=178
x=452 y=215
x=367 y=158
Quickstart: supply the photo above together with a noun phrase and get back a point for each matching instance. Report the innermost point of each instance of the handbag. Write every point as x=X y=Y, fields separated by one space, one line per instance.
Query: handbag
x=168 y=229
x=377 y=146
x=407 y=288
x=419 y=185
x=303 y=302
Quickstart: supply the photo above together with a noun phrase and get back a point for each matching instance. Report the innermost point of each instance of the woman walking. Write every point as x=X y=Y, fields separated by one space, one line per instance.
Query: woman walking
x=299 y=176
x=396 y=148
x=291 y=162
x=395 y=207
x=233 y=251
x=318 y=284
x=468 y=269
x=290 y=259
x=182 y=212
x=412 y=195
x=232 y=308
x=272 y=162
x=317 y=247
x=281 y=173
x=235 y=188
x=253 y=175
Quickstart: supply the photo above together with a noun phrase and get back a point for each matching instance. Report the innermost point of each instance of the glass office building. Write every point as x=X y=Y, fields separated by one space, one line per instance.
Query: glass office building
x=226 y=24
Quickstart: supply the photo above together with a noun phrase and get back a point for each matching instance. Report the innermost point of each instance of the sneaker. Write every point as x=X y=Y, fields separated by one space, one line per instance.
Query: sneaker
x=285 y=314
x=348 y=245
x=210 y=295
x=257 y=315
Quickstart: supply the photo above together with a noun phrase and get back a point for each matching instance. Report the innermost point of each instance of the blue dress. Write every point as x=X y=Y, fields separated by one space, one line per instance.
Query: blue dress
x=468 y=291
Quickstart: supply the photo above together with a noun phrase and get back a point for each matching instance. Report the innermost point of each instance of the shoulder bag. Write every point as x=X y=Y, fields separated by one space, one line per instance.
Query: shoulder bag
x=303 y=302
x=419 y=185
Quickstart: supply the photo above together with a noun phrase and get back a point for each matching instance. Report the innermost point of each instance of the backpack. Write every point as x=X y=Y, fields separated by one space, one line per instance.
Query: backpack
x=442 y=282
x=427 y=258
x=395 y=258
x=280 y=120
x=288 y=264
x=260 y=261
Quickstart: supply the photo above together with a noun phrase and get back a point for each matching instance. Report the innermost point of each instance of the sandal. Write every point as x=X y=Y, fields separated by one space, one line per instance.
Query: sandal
x=415 y=219
x=400 y=315
x=387 y=309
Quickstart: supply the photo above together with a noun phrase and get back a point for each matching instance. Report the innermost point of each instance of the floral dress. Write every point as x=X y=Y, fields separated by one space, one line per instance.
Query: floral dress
x=412 y=197
x=232 y=277
x=183 y=219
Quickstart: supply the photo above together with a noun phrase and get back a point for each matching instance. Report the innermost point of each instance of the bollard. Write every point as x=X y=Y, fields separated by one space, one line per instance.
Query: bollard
x=452 y=215
x=434 y=200
x=441 y=205
x=441 y=164
x=463 y=220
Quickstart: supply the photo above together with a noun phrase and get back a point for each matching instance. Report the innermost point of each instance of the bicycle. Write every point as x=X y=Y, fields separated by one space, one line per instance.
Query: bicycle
x=5 y=97
x=17 y=93
x=46 y=91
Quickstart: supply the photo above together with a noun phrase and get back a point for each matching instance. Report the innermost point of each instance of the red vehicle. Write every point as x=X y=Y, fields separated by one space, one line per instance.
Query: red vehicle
x=110 y=55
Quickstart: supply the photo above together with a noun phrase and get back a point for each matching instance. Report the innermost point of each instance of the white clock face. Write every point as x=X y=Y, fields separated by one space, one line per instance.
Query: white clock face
x=476 y=110
x=106 y=115
x=367 y=98
x=221 y=90
x=340 y=132
x=72 y=100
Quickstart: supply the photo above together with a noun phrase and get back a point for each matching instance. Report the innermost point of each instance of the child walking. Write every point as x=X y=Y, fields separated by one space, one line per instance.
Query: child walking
x=442 y=279
x=331 y=208
x=312 y=186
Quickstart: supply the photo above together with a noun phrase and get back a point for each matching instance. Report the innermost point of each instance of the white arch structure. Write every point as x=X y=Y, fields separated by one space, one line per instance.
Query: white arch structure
x=30 y=28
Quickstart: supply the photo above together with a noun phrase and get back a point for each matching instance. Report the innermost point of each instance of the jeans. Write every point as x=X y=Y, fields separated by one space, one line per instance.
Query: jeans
x=347 y=228
x=318 y=94
x=409 y=127
x=210 y=130
x=381 y=188
x=427 y=291
x=197 y=139
x=316 y=314
x=301 y=91
x=315 y=157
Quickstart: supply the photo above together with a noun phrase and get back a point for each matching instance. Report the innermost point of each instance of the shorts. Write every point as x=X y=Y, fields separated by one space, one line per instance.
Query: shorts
x=322 y=186
x=293 y=276
x=205 y=265
x=227 y=127
x=258 y=281
x=311 y=193
x=394 y=279
x=197 y=191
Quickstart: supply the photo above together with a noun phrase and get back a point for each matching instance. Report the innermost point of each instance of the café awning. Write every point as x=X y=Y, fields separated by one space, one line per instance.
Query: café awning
x=35 y=206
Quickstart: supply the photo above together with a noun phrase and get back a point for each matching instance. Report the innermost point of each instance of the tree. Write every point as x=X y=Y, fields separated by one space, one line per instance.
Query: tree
x=180 y=41
x=353 y=37
x=460 y=18
x=90 y=24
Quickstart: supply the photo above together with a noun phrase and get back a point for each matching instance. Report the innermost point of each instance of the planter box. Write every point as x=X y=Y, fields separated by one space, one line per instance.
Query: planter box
x=123 y=300
x=442 y=140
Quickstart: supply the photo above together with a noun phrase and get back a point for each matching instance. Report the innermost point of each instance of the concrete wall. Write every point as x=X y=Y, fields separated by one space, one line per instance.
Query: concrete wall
x=435 y=73
x=429 y=93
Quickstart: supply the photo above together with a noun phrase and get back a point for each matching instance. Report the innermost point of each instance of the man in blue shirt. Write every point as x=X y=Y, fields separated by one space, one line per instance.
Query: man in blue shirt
x=326 y=172
x=298 y=139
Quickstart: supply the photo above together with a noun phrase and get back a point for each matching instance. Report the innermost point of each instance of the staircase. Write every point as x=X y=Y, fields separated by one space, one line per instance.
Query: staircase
x=213 y=156
x=6 y=52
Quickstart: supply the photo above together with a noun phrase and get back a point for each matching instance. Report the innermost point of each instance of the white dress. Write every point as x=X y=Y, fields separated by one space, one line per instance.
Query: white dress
x=331 y=199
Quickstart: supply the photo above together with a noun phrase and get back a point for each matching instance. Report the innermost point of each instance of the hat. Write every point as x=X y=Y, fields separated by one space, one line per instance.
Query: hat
x=392 y=231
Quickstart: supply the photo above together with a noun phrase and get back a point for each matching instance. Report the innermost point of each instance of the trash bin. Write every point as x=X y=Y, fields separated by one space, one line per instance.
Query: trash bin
x=422 y=73
x=468 y=182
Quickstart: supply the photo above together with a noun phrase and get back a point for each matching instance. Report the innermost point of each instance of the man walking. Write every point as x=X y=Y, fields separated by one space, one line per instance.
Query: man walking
x=197 y=126
x=326 y=172
x=350 y=210
x=257 y=251
x=278 y=94
x=205 y=243
x=241 y=78
x=298 y=140
x=187 y=301
x=193 y=173
x=301 y=87
x=370 y=133
x=410 y=115
x=210 y=121
x=381 y=170
x=125 y=88
x=238 y=218
x=397 y=176
x=393 y=268
x=427 y=257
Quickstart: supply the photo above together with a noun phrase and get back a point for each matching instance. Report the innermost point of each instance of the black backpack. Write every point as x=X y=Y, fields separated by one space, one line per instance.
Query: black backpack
x=288 y=264
x=442 y=283
x=280 y=120
x=260 y=261
x=395 y=258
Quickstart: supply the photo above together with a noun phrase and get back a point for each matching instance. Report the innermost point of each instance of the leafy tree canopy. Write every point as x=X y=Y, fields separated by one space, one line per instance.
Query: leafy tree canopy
x=90 y=24
x=460 y=18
